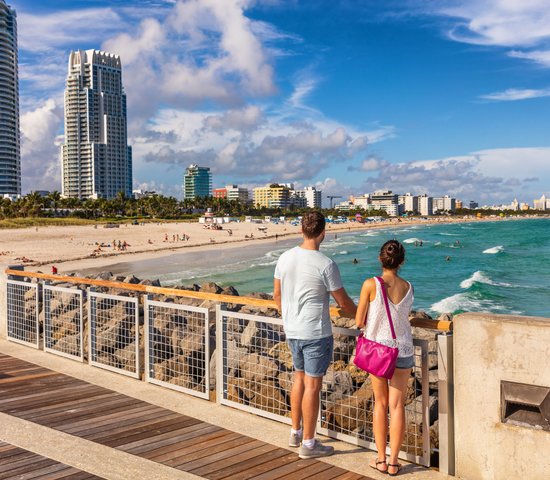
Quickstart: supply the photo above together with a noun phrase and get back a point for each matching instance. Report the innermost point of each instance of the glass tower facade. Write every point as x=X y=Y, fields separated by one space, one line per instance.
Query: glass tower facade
x=96 y=158
x=10 y=160
x=197 y=182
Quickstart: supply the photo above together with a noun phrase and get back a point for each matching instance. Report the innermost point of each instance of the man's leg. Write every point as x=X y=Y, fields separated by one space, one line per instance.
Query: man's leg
x=296 y=396
x=310 y=405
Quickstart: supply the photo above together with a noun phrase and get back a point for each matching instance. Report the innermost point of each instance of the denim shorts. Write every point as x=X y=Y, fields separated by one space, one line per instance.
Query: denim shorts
x=311 y=356
x=405 y=362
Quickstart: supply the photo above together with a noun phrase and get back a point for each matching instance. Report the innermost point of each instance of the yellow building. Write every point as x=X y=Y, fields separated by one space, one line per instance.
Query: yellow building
x=272 y=196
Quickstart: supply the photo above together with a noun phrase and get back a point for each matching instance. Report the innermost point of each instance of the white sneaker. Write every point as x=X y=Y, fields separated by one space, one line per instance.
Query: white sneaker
x=294 y=440
x=318 y=450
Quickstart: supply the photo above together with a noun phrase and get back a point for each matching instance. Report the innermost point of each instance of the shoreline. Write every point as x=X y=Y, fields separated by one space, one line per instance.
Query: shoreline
x=45 y=240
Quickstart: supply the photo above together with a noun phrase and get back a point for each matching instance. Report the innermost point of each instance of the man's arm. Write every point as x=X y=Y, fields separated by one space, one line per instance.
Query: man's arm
x=344 y=302
x=277 y=293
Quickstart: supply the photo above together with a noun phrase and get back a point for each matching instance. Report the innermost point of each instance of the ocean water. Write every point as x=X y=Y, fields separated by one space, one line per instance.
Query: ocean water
x=498 y=267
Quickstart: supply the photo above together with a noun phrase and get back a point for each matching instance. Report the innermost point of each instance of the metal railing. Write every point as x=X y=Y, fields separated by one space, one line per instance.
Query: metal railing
x=252 y=362
x=114 y=333
x=177 y=347
x=22 y=313
x=254 y=369
x=64 y=321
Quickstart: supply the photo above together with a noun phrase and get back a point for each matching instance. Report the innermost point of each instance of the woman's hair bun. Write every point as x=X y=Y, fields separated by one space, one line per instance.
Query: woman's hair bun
x=392 y=254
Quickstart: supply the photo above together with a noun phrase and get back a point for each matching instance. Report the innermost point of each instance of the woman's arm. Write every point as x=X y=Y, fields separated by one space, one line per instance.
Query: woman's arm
x=364 y=300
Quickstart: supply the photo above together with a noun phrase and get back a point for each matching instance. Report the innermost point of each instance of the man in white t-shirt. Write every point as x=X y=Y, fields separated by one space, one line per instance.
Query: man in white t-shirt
x=304 y=281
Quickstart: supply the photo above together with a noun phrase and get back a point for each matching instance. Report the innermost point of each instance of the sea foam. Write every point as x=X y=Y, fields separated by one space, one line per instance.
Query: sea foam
x=482 y=277
x=493 y=250
x=412 y=240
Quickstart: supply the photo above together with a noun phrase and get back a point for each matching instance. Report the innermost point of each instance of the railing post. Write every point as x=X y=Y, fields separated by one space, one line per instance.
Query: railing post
x=446 y=404
x=220 y=364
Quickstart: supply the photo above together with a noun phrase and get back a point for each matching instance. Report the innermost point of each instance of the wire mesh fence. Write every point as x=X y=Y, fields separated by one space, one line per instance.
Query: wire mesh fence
x=114 y=333
x=23 y=313
x=347 y=400
x=63 y=321
x=253 y=364
x=177 y=342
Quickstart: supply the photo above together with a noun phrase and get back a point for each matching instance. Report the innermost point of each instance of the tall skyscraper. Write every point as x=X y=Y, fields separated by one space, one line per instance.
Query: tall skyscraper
x=197 y=182
x=10 y=159
x=96 y=158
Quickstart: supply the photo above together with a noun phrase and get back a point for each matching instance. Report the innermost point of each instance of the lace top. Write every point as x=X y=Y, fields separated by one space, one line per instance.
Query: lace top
x=377 y=327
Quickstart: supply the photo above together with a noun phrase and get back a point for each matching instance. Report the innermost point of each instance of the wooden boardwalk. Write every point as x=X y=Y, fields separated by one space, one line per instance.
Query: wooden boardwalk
x=78 y=408
x=22 y=464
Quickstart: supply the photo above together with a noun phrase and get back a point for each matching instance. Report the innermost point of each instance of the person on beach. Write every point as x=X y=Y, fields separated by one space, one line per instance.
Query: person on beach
x=304 y=281
x=371 y=315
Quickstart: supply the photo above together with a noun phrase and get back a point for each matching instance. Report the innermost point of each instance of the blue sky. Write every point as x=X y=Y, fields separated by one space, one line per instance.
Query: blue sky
x=351 y=96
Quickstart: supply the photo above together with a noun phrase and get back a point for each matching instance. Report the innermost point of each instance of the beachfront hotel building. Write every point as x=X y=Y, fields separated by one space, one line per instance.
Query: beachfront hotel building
x=197 y=182
x=444 y=204
x=96 y=159
x=10 y=160
x=409 y=202
x=385 y=200
x=232 y=192
x=425 y=205
x=312 y=198
x=273 y=196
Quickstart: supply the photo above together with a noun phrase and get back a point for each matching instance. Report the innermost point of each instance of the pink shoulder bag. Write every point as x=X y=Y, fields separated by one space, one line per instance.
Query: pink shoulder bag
x=374 y=357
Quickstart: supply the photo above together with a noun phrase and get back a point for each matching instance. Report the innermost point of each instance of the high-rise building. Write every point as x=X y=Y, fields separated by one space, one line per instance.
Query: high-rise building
x=444 y=204
x=541 y=203
x=425 y=205
x=197 y=182
x=96 y=158
x=312 y=197
x=10 y=160
x=409 y=202
x=234 y=192
x=385 y=200
x=273 y=196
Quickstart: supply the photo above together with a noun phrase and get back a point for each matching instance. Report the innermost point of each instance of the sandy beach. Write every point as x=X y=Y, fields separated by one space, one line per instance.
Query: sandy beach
x=93 y=246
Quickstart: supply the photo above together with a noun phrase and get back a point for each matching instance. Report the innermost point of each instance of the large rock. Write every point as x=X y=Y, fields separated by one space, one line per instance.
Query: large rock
x=281 y=352
x=126 y=357
x=257 y=368
x=353 y=413
x=337 y=384
x=211 y=287
x=69 y=344
x=131 y=279
x=414 y=410
x=259 y=337
x=269 y=398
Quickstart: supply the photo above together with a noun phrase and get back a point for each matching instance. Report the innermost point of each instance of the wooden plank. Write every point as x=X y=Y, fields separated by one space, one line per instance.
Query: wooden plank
x=211 y=463
x=313 y=469
x=180 y=461
x=106 y=421
x=101 y=404
x=169 y=438
x=223 y=440
x=290 y=467
x=144 y=432
x=189 y=444
x=23 y=378
x=49 y=472
x=245 y=470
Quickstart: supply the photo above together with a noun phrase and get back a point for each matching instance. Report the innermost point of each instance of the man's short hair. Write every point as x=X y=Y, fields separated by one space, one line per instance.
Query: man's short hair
x=313 y=224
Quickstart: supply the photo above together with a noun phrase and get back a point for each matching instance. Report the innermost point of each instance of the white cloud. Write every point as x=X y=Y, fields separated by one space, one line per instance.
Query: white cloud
x=522 y=173
x=513 y=94
x=541 y=57
x=40 y=162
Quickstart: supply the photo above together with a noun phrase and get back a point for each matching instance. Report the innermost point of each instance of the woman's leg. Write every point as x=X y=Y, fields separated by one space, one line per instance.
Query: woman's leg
x=380 y=417
x=397 y=392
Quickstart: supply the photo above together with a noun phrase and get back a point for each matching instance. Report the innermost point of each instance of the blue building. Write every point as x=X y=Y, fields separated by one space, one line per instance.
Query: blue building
x=197 y=182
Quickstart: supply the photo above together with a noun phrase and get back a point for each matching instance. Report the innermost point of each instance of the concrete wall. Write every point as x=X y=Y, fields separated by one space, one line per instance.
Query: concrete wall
x=488 y=349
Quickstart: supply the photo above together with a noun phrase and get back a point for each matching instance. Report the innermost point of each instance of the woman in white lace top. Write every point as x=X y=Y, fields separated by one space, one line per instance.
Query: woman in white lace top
x=371 y=315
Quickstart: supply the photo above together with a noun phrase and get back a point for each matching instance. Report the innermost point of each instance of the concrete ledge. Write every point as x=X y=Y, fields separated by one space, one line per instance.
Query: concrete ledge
x=89 y=456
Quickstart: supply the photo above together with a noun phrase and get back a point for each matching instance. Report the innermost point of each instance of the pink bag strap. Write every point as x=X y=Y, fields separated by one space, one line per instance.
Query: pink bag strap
x=385 y=296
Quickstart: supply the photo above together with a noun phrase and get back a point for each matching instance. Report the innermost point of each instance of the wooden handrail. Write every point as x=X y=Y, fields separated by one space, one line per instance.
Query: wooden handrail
x=441 y=325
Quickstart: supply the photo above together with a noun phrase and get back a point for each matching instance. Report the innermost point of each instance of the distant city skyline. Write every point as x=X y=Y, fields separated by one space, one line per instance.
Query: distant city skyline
x=346 y=96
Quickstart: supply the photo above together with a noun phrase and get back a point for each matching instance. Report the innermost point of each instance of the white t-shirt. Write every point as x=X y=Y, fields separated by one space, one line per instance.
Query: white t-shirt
x=307 y=278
